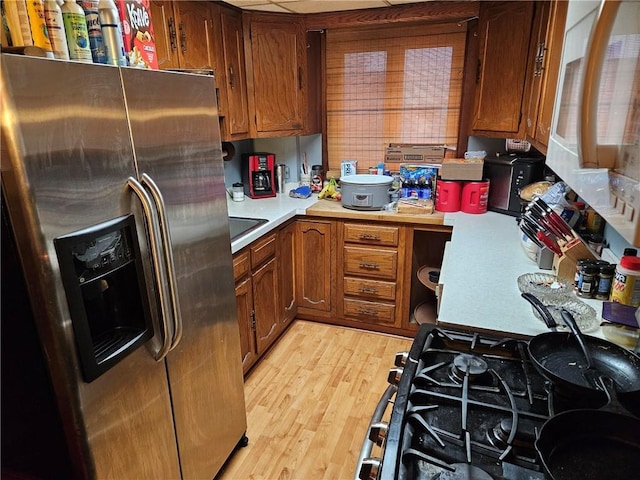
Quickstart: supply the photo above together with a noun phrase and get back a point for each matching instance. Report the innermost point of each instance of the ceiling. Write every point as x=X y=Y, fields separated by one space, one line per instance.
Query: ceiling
x=315 y=6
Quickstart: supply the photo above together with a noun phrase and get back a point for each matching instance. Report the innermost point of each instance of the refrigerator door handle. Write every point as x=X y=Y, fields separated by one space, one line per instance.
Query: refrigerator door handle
x=153 y=229
x=168 y=256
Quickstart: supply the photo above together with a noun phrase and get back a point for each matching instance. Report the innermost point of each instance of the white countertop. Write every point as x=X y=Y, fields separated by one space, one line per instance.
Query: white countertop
x=479 y=272
x=276 y=209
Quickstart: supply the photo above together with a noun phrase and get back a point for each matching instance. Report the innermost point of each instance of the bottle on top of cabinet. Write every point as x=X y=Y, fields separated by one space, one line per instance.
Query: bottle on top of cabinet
x=112 y=32
x=17 y=19
x=96 y=42
x=55 y=27
x=75 y=26
x=39 y=32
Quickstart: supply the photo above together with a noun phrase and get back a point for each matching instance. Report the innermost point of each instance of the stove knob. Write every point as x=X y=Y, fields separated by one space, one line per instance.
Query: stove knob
x=394 y=376
x=369 y=469
x=378 y=432
x=401 y=359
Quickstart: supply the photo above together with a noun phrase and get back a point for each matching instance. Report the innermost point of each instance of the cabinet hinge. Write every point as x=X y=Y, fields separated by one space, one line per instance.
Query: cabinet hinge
x=253 y=320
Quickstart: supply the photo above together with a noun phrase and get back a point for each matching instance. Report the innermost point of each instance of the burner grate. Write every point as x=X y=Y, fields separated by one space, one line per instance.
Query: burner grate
x=474 y=404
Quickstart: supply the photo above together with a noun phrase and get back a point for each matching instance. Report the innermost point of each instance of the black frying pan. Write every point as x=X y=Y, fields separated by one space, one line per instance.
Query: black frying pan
x=591 y=444
x=559 y=358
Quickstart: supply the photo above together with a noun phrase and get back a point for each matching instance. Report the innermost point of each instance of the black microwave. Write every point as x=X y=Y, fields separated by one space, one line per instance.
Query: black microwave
x=507 y=174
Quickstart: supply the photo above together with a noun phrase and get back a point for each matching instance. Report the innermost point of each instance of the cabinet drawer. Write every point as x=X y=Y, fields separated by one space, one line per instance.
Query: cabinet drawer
x=263 y=250
x=369 y=288
x=369 y=312
x=370 y=262
x=241 y=265
x=375 y=235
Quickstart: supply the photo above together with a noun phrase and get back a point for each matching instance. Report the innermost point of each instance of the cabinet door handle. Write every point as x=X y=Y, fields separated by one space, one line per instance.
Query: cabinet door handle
x=232 y=77
x=183 y=39
x=368 y=290
x=539 y=60
x=299 y=78
x=369 y=236
x=369 y=265
x=172 y=34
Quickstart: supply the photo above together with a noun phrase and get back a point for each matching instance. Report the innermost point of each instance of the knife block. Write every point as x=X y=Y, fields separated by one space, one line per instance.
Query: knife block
x=564 y=266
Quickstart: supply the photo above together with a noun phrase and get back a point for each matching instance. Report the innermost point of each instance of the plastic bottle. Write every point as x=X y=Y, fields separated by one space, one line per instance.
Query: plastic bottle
x=39 y=31
x=96 y=42
x=112 y=32
x=18 y=23
x=55 y=26
x=626 y=282
x=75 y=26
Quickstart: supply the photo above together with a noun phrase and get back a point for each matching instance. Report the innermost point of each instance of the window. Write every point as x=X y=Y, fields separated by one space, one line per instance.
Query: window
x=392 y=84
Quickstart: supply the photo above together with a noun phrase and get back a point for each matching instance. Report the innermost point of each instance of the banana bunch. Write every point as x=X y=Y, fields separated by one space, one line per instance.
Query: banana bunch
x=330 y=190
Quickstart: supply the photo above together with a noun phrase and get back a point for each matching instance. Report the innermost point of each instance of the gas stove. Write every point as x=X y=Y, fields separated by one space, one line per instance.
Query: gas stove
x=465 y=406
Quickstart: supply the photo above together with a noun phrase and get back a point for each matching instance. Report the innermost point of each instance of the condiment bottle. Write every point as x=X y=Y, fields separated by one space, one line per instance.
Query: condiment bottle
x=626 y=283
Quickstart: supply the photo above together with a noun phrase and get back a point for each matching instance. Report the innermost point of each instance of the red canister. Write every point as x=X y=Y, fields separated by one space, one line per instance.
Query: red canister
x=475 y=196
x=448 y=195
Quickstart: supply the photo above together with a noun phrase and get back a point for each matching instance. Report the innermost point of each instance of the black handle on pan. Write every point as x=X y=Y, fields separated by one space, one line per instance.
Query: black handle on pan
x=573 y=326
x=542 y=310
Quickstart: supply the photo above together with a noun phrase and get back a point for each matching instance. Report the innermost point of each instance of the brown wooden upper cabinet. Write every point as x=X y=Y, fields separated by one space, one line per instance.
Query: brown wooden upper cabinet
x=206 y=35
x=275 y=51
x=520 y=45
x=545 y=52
x=184 y=34
x=504 y=33
x=232 y=78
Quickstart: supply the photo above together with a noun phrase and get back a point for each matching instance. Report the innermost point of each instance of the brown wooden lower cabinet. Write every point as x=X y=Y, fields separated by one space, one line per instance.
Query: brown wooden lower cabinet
x=244 y=309
x=360 y=274
x=316 y=267
x=287 y=273
x=256 y=275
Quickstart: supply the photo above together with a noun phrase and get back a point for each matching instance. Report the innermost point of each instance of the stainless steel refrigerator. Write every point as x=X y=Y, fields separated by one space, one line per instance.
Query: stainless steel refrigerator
x=113 y=188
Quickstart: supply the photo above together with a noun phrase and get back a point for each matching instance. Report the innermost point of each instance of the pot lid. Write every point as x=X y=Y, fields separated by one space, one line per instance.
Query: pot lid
x=367 y=179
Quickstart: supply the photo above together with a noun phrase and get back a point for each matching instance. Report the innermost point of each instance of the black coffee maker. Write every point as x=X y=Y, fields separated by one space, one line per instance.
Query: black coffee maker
x=259 y=175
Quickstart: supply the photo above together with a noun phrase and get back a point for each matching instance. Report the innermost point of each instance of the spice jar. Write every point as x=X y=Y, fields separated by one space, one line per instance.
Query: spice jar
x=588 y=284
x=605 y=279
x=577 y=279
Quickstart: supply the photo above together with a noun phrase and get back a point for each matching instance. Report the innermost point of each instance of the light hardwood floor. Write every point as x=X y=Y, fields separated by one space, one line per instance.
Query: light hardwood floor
x=309 y=403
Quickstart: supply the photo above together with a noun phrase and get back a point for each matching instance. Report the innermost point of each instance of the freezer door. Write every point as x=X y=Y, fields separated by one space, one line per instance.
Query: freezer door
x=66 y=157
x=175 y=130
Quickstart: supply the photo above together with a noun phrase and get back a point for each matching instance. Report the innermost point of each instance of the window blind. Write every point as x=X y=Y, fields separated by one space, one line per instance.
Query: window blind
x=392 y=84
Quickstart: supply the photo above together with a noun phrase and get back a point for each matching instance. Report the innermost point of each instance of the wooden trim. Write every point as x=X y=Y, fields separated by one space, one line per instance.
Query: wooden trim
x=468 y=86
x=424 y=12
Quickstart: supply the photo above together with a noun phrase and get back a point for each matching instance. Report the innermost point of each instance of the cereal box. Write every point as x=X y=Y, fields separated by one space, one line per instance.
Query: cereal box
x=137 y=32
